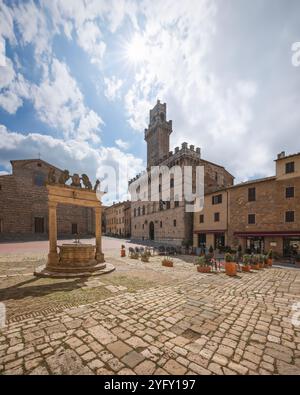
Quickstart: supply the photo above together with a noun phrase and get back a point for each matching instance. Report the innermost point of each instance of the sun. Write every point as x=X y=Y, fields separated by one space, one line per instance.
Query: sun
x=136 y=50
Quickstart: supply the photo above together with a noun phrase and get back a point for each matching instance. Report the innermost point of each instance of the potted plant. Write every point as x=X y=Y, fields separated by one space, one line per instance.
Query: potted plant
x=134 y=255
x=254 y=262
x=246 y=263
x=261 y=261
x=123 y=251
x=145 y=257
x=203 y=264
x=270 y=258
x=167 y=261
x=230 y=265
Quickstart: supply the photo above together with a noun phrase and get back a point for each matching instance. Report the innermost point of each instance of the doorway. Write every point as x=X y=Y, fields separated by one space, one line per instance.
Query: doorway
x=151 y=230
x=74 y=229
x=39 y=225
x=255 y=245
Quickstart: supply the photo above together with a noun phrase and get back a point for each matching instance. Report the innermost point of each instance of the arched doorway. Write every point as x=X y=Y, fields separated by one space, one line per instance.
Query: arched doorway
x=151 y=231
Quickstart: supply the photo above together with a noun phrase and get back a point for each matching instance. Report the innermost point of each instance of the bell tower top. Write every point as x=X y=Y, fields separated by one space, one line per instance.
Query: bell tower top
x=158 y=113
x=157 y=135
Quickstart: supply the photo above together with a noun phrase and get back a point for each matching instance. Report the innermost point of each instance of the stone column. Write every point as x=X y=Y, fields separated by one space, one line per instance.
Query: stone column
x=53 y=258
x=98 y=234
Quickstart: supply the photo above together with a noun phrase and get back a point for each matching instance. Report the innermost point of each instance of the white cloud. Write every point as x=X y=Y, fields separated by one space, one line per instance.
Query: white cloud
x=13 y=88
x=113 y=87
x=213 y=104
x=2 y=52
x=59 y=103
x=122 y=144
x=70 y=154
x=89 y=38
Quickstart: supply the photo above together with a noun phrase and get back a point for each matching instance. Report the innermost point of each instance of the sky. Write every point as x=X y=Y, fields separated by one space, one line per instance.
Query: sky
x=78 y=78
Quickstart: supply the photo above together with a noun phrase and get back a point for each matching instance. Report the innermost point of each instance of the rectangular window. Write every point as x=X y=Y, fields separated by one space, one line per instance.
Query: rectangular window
x=1 y=225
x=289 y=192
x=160 y=224
x=201 y=218
x=251 y=194
x=38 y=225
x=39 y=179
x=217 y=199
x=172 y=183
x=251 y=219
x=174 y=222
x=74 y=229
x=290 y=167
x=290 y=216
x=168 y=205
x=217 y=217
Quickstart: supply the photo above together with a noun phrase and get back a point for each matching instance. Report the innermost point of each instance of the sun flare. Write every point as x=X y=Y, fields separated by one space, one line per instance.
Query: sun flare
x=136 y=50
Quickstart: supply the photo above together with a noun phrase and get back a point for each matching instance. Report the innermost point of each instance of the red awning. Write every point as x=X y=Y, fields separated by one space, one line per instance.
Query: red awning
x=268 y=233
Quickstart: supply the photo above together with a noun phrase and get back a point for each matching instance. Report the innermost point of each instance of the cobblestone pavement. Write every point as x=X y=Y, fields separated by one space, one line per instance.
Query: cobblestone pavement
x=191 y=323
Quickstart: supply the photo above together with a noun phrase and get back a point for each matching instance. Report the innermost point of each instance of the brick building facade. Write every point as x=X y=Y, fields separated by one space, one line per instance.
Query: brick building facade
x=24 y=207
x=168 y=221
x=118 y=219
x=258 y=215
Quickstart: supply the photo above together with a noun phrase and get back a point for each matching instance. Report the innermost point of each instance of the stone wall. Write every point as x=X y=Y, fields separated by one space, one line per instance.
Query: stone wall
x=270 y=207
x=21 y=201
x=214 y=177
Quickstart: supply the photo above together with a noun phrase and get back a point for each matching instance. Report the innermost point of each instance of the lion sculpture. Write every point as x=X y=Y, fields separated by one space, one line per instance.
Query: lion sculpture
x=86 y=181
x=63 y=178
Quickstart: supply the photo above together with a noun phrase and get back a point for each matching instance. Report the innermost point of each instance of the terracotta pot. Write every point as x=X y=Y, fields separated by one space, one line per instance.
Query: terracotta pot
x=255 y=267
x=230 y=268
x=167 y=263
x=270 y=262
x=204 y=269
x=261 y=265
x=123 y=253
x=246 y=268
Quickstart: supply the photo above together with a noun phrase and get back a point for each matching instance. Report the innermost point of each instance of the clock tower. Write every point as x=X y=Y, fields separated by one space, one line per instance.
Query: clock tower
x=157 y=135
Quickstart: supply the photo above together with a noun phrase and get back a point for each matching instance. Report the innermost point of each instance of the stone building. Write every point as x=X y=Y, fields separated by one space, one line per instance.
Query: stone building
x=24 y=207
x=118 y=219
x=259 y=214
x=167 y=220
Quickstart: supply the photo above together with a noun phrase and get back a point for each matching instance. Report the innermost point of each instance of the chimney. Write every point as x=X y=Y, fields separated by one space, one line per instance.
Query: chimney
x=184 y=145
x=198 y=151
x=192 y=147
x=176 y=149
x=281 y=155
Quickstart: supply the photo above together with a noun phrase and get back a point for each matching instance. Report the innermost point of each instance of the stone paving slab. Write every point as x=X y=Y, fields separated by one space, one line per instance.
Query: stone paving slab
x=201 y=324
